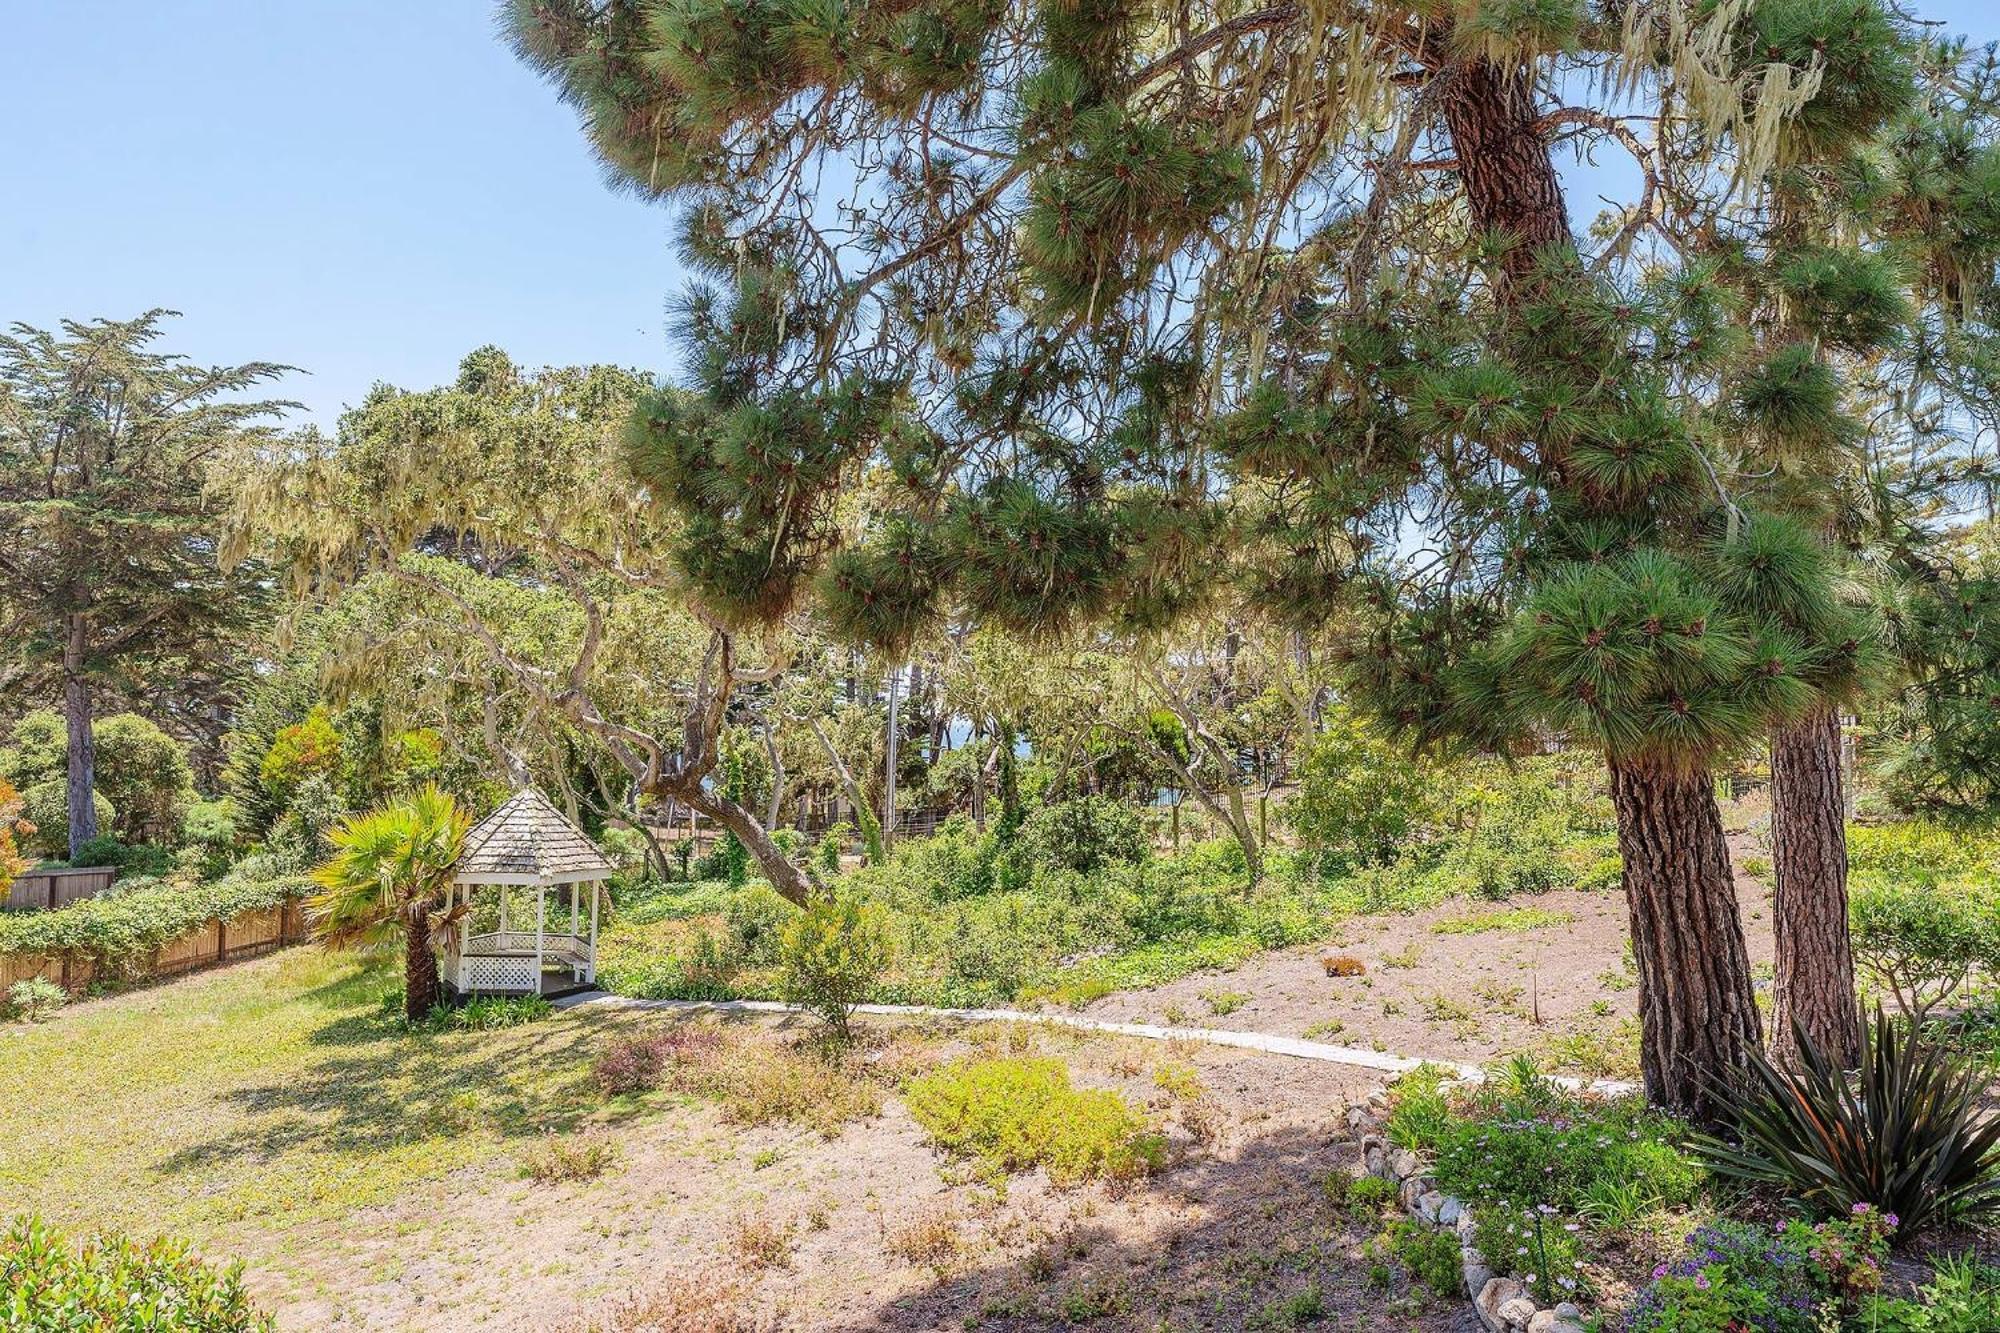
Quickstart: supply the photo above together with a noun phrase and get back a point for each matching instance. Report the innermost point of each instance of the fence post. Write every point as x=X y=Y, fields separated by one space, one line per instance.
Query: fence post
x=221 y=940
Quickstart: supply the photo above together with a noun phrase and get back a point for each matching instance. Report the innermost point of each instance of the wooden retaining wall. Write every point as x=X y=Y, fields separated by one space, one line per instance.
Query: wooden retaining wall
x=39 y=890
x=210 y=944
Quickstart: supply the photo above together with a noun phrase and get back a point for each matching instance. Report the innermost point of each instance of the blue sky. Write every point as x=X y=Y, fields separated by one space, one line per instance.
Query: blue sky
x=363 y=188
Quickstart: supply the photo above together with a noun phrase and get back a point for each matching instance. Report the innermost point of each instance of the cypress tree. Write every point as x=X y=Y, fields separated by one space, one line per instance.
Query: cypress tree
x=1102 y=312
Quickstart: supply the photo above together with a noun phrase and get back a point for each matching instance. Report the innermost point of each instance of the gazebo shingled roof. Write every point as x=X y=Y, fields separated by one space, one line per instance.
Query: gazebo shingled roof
x=528 y=841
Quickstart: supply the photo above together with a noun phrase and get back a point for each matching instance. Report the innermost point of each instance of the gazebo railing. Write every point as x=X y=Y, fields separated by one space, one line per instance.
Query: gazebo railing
x=557 y=946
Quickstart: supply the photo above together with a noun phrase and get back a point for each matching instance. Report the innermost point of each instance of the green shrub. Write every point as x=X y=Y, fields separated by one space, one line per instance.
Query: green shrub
x=46 y=806
x=144 y=861
x=1432 y=1256
x=1564 y=1154
x=1923 y=942
x=34 y=999
x=1904 y=1136
x=109 y=1282
x=1961 y=1297
x=208 y=833
x=1536 y=1244
x=1360 y=796
x=832 y=953
x=1083 y=834
x=491 y=1013
x=1016 y=1114
x=117 y=931
x=1791 y=1278
x=830 y=842
x=756 y=918
x=1369 y=1195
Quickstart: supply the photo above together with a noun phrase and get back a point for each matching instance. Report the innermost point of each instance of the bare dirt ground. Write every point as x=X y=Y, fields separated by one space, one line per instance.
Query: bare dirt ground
x=703 y=1225
x=1561 y=991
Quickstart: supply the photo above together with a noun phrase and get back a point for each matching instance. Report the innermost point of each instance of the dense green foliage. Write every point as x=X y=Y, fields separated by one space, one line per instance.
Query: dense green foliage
x=1543 y=1169
x=51 y=1284
x=1925 y=909
x=119 y=931
x=977 y=919
x=142 y=773
x=1015 y=1114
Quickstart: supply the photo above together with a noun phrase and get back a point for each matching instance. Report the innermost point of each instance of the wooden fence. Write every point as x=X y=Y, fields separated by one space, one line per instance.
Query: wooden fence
x=210 y=944
x=42 y=889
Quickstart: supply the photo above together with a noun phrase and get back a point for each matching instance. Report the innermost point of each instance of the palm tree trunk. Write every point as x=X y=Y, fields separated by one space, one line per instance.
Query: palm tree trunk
x=421 y=984
x=1697 y=1008
x=1815 y=985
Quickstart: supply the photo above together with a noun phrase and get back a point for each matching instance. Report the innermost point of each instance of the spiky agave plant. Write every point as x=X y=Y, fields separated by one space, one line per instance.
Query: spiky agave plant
x=1901 y=1133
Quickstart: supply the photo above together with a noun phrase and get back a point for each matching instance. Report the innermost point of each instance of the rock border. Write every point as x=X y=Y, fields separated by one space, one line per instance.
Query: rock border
x=1502 y=1303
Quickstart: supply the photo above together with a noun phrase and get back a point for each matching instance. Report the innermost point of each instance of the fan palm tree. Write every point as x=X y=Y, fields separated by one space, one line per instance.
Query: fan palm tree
x=391 y=873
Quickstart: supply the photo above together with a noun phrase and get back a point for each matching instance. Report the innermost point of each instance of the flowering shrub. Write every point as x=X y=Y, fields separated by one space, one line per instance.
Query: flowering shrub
x=1529 y=1143
x=1741 y=1277
x=1539 y=1245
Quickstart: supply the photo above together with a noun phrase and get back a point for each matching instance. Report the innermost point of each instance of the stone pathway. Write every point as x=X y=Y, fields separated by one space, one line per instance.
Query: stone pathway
x=1297 y=1047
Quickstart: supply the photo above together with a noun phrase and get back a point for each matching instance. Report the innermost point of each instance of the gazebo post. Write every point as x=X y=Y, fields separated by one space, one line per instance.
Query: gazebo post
x=541 y=914
x=503 y=907
x=590 y=968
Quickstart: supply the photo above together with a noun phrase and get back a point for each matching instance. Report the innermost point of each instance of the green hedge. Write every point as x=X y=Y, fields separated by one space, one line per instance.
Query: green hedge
x=120 y=928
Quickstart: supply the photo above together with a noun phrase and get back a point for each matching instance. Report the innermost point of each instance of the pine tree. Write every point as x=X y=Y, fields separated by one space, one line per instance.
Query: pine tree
x=1102 y=312
x=108 y=537
x=1874 y=260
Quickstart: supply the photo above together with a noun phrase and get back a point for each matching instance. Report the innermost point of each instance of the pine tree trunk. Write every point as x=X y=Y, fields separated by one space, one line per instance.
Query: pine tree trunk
x=1697 y=1010
x=1809 y=905
x=420 y=966
x=82 y=751
x=1510 y=184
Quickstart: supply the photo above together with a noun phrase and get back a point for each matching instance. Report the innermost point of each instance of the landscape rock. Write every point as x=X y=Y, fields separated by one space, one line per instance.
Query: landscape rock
x=1404 y=1163
x=1414 y=1189
x=1374 y=1155
x=1428 y=1207
x=1496 y=1293
x=1450 y=1212
x=1477 y=1274
x=1516 y=1313
x=1467 y=1228
x=1357 y=1116
x=1379 y=1100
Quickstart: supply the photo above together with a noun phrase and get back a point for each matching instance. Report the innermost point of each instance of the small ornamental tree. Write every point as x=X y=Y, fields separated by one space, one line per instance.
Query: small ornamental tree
x=1122 y=311
x=390 y=879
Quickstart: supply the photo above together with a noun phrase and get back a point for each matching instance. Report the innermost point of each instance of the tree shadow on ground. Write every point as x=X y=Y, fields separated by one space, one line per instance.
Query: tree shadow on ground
x=391 y=1086
x=1243 y=1240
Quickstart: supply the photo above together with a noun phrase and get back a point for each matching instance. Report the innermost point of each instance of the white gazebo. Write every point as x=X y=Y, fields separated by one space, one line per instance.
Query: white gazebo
x=527 y=841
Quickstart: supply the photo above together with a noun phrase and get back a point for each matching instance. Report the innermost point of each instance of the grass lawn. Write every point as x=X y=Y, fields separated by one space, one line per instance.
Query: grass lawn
x=278 y=1089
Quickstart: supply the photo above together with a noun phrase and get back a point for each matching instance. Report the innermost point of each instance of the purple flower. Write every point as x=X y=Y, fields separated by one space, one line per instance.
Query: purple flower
x=1892 y=1220
x=1701 y=1281
x=1859 y=1209
x=1659 y=1271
